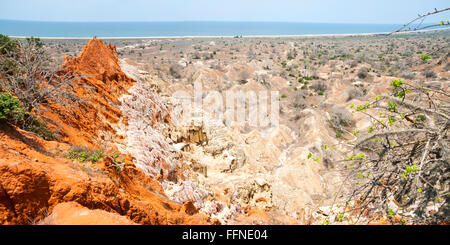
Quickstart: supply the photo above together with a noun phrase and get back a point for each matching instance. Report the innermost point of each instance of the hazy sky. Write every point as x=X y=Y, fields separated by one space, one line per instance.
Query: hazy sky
x=344 y=11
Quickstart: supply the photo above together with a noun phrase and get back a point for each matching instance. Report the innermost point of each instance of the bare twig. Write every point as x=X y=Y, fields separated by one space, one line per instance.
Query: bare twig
x=421 y=17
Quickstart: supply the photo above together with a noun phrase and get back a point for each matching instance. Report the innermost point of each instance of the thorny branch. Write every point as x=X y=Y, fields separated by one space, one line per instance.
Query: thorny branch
x=406 y=27
x=414 y=172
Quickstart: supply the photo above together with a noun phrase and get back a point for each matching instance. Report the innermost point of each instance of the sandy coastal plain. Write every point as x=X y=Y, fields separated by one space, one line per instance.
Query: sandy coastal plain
x=318 y=78
x=292 y=173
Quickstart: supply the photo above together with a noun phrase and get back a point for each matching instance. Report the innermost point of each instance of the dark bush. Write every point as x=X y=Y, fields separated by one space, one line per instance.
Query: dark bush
x=12 y=111
x=9 y=105
x=341 y=116
x=7 y=45
x=354 y=94
x=319 y=86
x=362 y=73
x=176 y=70
x=299 y=101
x=429 y=74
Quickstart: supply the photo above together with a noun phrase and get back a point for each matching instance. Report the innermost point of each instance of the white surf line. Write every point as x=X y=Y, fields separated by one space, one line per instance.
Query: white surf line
x=246 y=36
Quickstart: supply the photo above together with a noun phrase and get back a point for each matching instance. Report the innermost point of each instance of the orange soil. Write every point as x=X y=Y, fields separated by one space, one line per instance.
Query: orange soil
x=36 y=176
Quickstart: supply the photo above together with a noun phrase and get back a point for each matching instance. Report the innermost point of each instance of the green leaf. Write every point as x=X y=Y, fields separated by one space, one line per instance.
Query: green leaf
x=401 y=94
x=391 y=120
x=360 y=176
x=392 y=106
x=340 y=217
x=397 y=83
x=391 y=213
x=408 y=169
x=424 y=57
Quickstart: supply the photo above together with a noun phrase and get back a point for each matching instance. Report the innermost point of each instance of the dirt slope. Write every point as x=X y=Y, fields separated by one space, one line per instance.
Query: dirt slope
x=36 y=175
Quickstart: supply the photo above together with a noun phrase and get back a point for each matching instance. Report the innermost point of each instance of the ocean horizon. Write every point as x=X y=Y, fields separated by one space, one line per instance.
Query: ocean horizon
x=186 y=28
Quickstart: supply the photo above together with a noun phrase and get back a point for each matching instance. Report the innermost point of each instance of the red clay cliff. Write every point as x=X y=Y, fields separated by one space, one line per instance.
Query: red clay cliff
x=39 y=184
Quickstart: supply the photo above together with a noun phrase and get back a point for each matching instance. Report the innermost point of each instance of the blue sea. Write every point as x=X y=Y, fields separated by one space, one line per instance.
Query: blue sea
x=159 y=29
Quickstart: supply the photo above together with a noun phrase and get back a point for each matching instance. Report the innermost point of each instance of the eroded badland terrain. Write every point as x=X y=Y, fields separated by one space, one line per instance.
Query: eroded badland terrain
x=154 y=171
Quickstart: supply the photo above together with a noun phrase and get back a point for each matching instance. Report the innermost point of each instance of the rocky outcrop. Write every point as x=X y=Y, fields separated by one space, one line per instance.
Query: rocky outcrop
x=101 y=82
x=231 y=158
